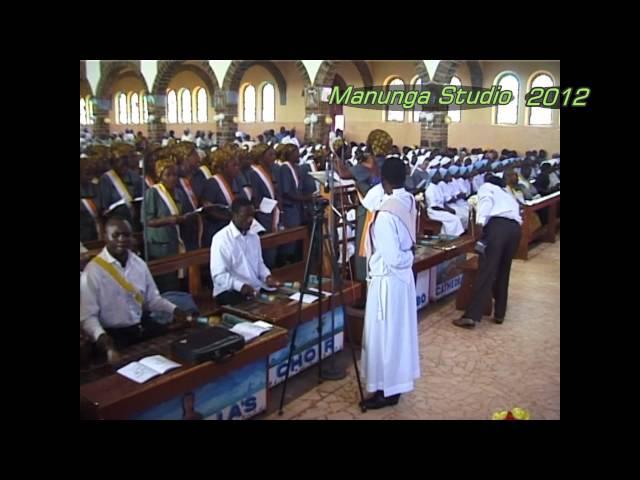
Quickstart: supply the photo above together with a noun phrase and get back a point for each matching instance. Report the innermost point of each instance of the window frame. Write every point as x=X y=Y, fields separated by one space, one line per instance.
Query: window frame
x=494 y=117
x=529 y=111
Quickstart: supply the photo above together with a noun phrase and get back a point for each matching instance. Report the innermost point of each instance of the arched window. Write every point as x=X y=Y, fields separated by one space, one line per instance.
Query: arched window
x=201 y=105
x=123 y=114
x=454 y=111
x=539 y=115
x=268 y=103
x=185 y=106
x=84 y=113
x=395 y=115
x=416 y=113
x=508 y=114
x=134 y=102
x=249 y=103
x=172 y=107
x=145 y=107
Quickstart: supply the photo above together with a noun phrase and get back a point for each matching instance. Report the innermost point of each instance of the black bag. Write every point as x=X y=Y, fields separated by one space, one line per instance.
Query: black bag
x=210 y=343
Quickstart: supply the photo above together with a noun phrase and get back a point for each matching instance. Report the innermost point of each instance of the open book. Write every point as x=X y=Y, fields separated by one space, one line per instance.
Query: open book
x=147 y=368
x=120 y=202
x=251 y=330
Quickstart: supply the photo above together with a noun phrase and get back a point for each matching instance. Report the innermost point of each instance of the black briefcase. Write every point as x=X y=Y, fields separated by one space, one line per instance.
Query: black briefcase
x=210 y=343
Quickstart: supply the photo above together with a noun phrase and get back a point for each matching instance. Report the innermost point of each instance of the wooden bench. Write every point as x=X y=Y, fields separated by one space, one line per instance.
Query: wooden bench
x=193 y=262
x=427 y=226
x=463 y=297
x=547 y=232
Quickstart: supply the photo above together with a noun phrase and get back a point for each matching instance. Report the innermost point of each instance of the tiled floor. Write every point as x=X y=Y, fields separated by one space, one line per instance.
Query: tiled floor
x=465 y=374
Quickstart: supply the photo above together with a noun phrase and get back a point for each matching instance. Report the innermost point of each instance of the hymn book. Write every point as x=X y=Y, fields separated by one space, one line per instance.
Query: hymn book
x=148 y=368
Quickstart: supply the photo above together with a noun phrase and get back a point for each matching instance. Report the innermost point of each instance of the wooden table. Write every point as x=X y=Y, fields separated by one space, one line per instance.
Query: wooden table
x=115 y=397
x=427 y=257
x=284 y=312
x=424 y=259
x=547 y=232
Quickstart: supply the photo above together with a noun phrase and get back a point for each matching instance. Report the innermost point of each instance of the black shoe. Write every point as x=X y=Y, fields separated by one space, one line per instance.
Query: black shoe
x=498 y=319
x=464 y=322
x=380 y=401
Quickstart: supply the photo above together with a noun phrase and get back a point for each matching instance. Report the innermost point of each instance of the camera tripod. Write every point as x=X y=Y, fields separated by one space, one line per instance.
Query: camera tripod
x=331 y=372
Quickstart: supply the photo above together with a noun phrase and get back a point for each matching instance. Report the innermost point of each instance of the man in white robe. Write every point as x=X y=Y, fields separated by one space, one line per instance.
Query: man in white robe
x=390 y=358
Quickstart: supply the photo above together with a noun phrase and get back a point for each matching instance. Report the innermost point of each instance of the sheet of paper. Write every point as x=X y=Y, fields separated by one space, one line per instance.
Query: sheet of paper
x=137 y=372
x=248 y=330
x=323 y=292
x=307 y=298
x=159 y=363
x=267 y=205
x=256 y=227
x=262 y=324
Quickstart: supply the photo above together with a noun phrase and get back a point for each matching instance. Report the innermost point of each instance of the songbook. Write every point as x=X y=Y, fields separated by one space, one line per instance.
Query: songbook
x=147 y=368
x=305 y=299
x=251 y=330
x=120 y=202
x=267 y=205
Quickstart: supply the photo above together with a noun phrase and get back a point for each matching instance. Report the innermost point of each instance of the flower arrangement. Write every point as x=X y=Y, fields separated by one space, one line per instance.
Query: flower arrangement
x=513 y=414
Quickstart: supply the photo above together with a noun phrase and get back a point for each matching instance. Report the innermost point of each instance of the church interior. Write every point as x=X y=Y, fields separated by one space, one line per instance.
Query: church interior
x=252 y=250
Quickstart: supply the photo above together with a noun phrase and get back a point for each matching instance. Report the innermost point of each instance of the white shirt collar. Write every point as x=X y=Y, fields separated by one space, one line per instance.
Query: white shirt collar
x=234 y=230
x=111 y=259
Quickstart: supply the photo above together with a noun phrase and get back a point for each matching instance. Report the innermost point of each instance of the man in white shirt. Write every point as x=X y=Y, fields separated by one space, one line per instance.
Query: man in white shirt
x=499 y=226
x=115 y=288
x=237 y=268
x=187 y=137
x=293 y=138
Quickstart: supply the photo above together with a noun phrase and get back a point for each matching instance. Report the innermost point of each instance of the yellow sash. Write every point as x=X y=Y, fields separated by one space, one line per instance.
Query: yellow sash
x=120 y=186
x=120 y=280
x=205 y=170
x=173 y=208
x=168 y=199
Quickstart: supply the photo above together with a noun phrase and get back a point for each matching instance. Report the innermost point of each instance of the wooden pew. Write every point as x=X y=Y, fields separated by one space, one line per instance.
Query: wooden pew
x=426 y=226
x=463 y=297
x=109 y=396
x=112 y=396
x=547 y=232
x=194 y=261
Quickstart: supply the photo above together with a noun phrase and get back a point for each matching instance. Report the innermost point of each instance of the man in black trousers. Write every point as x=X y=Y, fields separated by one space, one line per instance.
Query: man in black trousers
x=499 y=228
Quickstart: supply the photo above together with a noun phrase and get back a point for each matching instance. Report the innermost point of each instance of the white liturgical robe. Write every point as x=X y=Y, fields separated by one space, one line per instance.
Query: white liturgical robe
x=390 y=359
